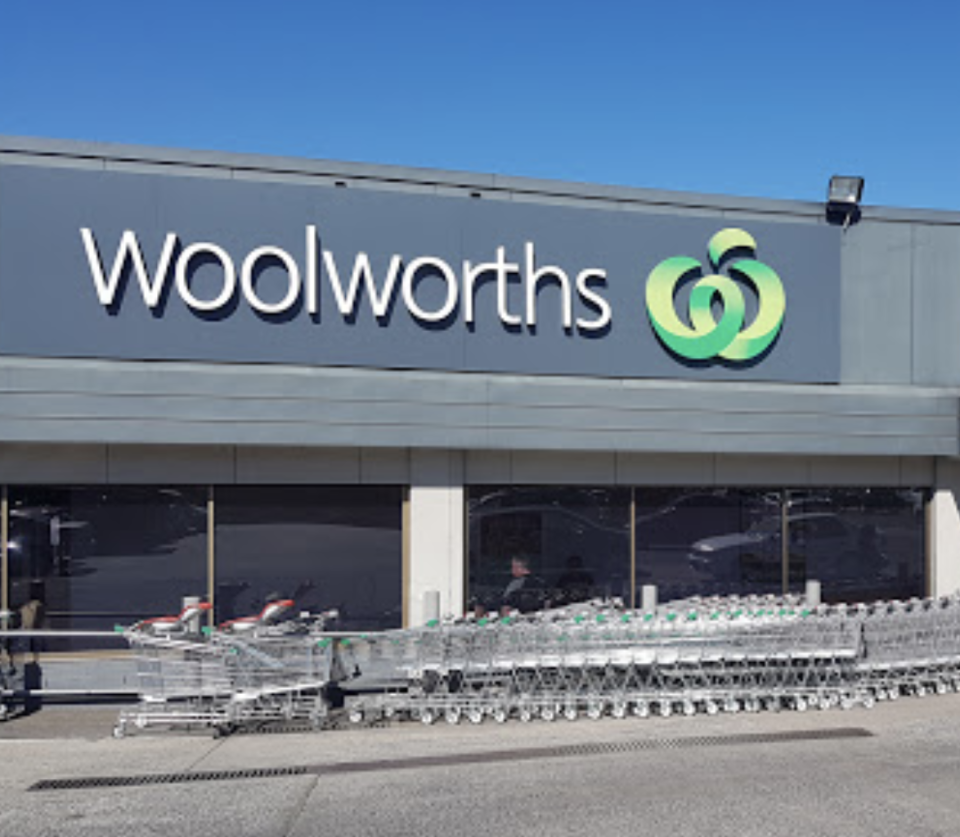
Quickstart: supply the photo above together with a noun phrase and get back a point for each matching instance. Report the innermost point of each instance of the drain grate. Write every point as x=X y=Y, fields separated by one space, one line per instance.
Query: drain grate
x=90 y=782
x=527 y=754
x=568 y=750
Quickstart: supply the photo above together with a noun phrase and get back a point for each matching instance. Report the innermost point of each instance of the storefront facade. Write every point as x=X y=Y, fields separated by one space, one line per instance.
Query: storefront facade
x=230 y=376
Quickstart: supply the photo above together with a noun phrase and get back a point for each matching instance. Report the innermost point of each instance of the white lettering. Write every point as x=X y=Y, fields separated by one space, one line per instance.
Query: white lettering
x=592 y=298
x=310 y=278
x=250 y=292
x=534 y=277
x=347 y=302
x=229 y=276
x=502 y=269
x=587 y=284
x=152 y=289
x=448 y=276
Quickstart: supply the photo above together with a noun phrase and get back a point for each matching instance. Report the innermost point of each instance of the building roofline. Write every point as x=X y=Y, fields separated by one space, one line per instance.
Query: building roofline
x=477 y=184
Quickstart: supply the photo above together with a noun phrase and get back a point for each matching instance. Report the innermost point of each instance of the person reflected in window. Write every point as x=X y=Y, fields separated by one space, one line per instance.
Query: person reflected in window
x=575 y=584
x=526 y=592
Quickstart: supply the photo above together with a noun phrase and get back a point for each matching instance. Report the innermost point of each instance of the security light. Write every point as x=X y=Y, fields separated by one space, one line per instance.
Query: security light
x=845 y=191
x=843 y=199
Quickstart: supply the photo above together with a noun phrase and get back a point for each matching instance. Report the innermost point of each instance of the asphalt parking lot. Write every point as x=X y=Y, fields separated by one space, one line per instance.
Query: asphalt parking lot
x=891 y=770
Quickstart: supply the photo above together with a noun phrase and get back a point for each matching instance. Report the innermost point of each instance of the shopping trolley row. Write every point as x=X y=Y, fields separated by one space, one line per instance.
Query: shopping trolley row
x=709 y=656
x=248 y=671
x=589 y=660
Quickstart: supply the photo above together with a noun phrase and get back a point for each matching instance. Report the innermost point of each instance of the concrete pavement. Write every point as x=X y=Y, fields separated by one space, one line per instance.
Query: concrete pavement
x=892 y=770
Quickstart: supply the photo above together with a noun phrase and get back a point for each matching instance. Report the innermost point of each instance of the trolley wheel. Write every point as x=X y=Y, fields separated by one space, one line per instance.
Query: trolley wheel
x=452 y=715
x=710 y=707
x=665 y=709
x=525 y=714
x=499 y=714
x=800 y=703
x=548 y=713
x=120 y=731
x=355 y=716
x=4 y=712
x=475 y=715
x=868 y=701
x=941 y=687
x=689 y=708
x=619 y=709
x=570 y=712
x=641 y=709
x=595 y=710
x=427 y=717
x=223 y=730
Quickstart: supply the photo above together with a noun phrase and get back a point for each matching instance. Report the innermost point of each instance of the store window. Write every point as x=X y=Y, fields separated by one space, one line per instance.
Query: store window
x=323 y=546
x=572 y=544
x=707 y=541
x=96 y=557
x=861 y=544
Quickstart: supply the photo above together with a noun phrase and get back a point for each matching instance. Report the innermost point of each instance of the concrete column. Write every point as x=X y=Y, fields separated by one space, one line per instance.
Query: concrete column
x=943 y=520
x=437 y=537
x=944 y=523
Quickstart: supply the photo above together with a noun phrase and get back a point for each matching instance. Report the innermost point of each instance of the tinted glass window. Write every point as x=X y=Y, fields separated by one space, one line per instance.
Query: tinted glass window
x=574 y=542
x=96 y=557
x=323 y=546
x=862 y=544
x=704 y=541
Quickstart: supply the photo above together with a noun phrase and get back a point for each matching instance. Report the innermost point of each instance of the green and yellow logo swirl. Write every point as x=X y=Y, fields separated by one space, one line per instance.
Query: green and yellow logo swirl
x=725 y=338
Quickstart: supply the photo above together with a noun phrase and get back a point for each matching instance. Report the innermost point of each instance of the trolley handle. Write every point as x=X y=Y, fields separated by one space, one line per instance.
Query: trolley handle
x=171 y=624
x=270 y=613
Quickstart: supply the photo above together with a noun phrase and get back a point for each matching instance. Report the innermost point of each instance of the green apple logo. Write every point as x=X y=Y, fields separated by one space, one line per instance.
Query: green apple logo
x=709 y=338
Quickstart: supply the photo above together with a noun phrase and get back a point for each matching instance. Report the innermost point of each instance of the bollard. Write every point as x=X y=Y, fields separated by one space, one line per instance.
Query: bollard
x=431 y=605
x=648 y=597
x=812 y=594
x=193 y=624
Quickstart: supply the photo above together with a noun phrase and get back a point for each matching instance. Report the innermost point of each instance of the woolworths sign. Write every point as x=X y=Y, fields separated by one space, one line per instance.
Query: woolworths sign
x=348 y=281
x=152 y=266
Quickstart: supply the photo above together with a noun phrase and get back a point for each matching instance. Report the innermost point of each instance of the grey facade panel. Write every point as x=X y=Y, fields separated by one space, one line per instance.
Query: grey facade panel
x=170 y=465
x=282 y=465
x=533 y=467
x=144 y=403
x=666 y=468
x=876 y=300
x=33 y=463
x=882 y=318
x=487 y=467
x=44 y=258
x=936 y=305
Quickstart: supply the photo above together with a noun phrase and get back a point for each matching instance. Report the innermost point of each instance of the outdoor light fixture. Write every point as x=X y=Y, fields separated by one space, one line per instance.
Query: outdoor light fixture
x=843 y=198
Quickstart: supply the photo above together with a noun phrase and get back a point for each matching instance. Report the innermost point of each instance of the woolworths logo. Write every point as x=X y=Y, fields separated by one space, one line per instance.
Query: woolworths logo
x=708 y=336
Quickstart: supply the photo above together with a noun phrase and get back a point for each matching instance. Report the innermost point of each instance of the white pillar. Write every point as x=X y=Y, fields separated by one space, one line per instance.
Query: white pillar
x=944 y=523
x=437 y=538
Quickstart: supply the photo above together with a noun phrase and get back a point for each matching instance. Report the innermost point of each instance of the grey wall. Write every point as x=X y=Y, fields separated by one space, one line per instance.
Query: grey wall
x=899 y=295
x=49 y=306
x=138 y=403
x=899 y=310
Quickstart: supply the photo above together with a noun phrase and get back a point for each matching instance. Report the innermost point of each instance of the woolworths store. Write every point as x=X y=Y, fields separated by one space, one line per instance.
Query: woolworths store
x=229 y=375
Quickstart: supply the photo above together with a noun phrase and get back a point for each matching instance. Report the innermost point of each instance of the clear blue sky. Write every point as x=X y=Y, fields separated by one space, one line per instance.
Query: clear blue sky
x=748 y=98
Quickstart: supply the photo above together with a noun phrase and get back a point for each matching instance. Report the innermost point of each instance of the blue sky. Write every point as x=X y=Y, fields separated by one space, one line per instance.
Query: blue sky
x=747 y=98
